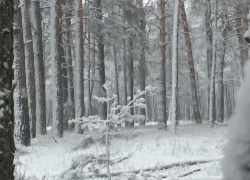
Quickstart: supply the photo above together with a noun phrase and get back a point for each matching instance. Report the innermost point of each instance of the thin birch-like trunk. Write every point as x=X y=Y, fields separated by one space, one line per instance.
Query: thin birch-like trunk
x=175 y=68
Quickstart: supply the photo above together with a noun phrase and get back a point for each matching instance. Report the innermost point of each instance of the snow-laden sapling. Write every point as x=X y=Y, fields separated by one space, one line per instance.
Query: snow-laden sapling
x=102 y=128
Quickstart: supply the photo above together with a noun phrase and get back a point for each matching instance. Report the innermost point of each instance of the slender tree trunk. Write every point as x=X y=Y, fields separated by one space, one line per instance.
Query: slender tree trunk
x=22 y=126
x=70 y=111
x=7 y=145
x=116 y=75
x=221 y=58
x=125 y=72
x=142 y=66
x=162 y=114
x=56 y=67
x=131 y=76
x=209 y=44
x=212 y=83
x=37 y=38
x=29 y=60
x=101 y=62
x=79 y=86
x=197 y=114
x=175 y=67
x=89 y=74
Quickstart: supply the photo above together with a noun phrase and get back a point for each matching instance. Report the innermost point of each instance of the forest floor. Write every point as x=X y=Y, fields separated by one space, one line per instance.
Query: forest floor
x=51 y=158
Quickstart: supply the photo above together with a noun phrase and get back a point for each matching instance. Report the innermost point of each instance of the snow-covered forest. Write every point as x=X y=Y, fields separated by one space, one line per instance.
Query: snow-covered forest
x=124 y=89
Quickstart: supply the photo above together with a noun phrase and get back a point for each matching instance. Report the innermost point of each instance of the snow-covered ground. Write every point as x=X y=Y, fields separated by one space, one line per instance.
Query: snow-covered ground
x=50 y=158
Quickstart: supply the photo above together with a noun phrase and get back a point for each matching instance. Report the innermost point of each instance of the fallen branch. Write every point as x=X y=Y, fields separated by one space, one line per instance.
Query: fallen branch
x=164 y=167
x=189 y=172
x=55 y=140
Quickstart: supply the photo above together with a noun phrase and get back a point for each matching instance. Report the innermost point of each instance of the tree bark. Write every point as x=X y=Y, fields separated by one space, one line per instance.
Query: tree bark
x=29 y=61
x=22 y=126
x=221 y=59
x=162 y=114
x=7 y=145
x=212 y=104
x=56 y=68
x=37 y=38
x=101 y=61
x=209 y=46
x=125 y=72
x=116 y=75
x=196 y=108
x=131 y=77
x=142 y=61
x=79 y=83
x=174 y=96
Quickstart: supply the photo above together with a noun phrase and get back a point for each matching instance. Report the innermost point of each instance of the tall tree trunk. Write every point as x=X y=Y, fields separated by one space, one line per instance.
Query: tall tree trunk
x=209 y=44
x=125 y=72
x=70 y=111
x=79 y=83
x=212 y=103
x=142 y=66
x=56 y=67
x=131 y=77
x=89 y=74
x=241 y=26
x=197 y=114
x=116 y=75
x=175 y=67
x=162 y=114
x=37 y=38
x=101 y=62
x=221 y=58
x=29 y=61
x=22 y=126
x=7 y=145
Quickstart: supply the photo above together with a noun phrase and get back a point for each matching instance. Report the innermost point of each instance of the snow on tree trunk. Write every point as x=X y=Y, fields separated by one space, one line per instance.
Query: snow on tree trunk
x=39 y=66
x=174 y=68
x=79 y=83
x=22 y=126
x=56 y=68
x=212 y=82
x=29 y=61
x=162 y=114
x=197 y=114
x=7 y=145
x=101 y=62
x=142 y=67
